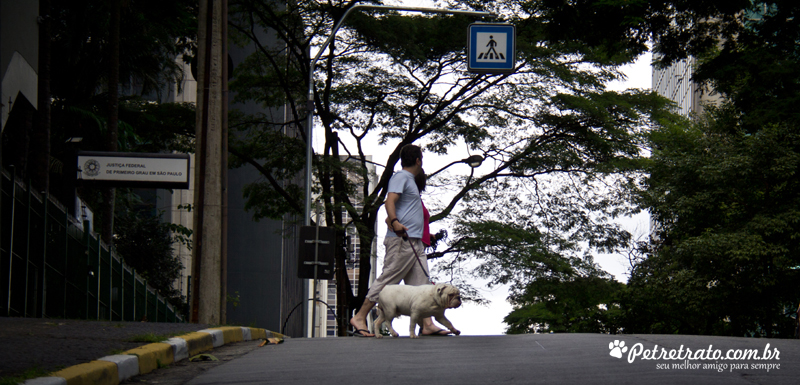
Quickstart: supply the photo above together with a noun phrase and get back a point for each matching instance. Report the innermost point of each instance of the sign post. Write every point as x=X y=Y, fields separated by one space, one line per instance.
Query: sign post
x=491 y=48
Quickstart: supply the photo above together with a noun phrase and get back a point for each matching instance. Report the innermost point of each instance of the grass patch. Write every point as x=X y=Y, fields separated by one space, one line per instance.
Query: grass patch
x=160 y=365
x=33 y=372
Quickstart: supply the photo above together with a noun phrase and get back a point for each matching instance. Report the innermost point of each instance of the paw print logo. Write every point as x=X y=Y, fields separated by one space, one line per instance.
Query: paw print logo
x=617 y=348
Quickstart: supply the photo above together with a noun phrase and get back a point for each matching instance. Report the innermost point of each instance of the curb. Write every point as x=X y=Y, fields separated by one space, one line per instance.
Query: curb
x=111 y=370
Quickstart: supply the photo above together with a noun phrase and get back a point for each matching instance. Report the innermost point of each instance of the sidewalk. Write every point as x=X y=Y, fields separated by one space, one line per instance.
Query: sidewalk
x=55 y=344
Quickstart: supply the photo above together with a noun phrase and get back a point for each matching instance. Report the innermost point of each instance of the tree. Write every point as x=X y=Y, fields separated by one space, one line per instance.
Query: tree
x=402 y=79
x=154 y=34
x=151 y=36
x=92 y=54
x=726 y=205
x=724 y=192
x=757 y=68
x=571 y=304
x=146 y=245
x=552 y=289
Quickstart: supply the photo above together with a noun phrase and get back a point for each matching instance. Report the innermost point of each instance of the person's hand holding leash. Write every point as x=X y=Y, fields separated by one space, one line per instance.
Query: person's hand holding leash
x=401 y=232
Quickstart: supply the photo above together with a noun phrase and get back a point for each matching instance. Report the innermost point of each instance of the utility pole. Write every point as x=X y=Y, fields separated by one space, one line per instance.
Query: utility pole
x=209 y=254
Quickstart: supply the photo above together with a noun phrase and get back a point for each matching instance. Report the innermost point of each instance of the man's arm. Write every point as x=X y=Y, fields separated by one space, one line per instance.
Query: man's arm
x=391 y=214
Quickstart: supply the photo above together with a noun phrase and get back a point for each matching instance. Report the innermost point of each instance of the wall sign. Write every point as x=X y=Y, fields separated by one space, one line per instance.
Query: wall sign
x=126 y=169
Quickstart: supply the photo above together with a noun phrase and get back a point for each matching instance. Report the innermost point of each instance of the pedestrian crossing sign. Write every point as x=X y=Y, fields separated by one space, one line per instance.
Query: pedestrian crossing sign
x=491 y=48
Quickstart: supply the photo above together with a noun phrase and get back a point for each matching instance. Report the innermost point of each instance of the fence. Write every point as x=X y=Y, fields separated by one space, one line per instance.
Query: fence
x=50 y=267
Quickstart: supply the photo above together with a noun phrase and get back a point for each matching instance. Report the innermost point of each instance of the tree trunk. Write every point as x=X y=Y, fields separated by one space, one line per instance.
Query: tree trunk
x=343 y=286
x=365 y=263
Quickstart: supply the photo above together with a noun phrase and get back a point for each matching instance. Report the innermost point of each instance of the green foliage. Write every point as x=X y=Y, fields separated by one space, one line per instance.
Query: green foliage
x=234 y=300
x=144 y=126
x=567 y=304
x=28 y=374
x=724 y=189
x=158 y=127
x=153 y=35
x=540 y=244
x=727 y=207
x=146 y=244
x=403 y=79
x=415 y=39
x=757 y=68
x=575 y=24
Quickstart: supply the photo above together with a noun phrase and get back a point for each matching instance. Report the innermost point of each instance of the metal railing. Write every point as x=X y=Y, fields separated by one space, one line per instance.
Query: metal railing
x=50 y=267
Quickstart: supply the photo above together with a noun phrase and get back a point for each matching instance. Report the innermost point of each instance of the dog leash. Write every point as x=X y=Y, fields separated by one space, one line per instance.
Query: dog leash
x=405 y=237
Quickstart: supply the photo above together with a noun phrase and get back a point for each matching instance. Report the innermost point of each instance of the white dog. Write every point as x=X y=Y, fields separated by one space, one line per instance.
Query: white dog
x=419 y=302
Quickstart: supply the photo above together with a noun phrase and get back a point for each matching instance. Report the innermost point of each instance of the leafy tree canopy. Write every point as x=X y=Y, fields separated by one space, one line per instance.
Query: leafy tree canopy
x=550 y=132
x=723 y=190
x=726 y=203
x=153 y=38
x=146 y=244
x=153 y=35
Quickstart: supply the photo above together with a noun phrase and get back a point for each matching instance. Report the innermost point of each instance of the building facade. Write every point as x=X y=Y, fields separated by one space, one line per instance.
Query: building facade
x=19 y=67
x=675 y=83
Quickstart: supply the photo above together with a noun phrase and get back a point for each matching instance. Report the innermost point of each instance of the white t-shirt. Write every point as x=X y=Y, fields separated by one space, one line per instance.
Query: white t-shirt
x=409 y=206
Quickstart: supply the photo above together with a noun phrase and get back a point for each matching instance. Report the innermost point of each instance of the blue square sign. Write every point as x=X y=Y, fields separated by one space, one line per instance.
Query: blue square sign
x=491 y=48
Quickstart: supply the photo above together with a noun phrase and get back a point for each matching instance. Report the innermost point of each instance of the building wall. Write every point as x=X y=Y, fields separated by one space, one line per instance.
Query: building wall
x=262 y=255
x=262 y=283
x=19 y=31
x=675 y=83
x=19 y=53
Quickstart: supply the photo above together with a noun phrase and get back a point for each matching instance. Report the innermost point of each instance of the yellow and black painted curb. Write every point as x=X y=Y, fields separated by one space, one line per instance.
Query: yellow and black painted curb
x=111 y=370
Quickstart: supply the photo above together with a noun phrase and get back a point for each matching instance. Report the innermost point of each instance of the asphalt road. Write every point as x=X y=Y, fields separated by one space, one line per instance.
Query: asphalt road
x=514 y=359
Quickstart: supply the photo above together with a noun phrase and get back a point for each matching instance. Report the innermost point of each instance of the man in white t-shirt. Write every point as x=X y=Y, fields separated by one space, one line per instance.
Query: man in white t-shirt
x=404 y=208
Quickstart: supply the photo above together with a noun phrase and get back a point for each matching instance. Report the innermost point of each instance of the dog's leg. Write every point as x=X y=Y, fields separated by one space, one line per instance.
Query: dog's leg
x=379 y=323
x=415 y=320
x=446 y=322
x=391 y=328
x=390 y=315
